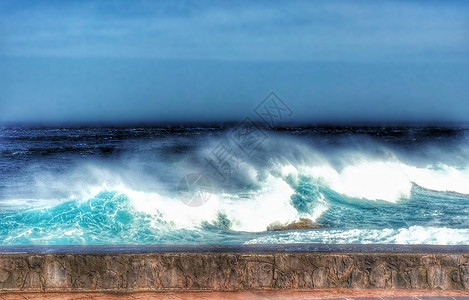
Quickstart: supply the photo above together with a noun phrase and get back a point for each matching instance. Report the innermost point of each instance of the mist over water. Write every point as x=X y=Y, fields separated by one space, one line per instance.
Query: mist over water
x=119 y=185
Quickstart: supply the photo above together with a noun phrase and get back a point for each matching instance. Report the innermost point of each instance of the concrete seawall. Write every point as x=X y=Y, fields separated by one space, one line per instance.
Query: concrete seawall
x=233 y=268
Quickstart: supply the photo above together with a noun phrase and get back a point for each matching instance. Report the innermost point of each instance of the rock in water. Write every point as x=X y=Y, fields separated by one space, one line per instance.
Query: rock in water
x=303 y=223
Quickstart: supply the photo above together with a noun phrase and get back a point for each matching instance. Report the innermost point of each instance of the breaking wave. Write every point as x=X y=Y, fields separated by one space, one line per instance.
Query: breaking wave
x=359 y=190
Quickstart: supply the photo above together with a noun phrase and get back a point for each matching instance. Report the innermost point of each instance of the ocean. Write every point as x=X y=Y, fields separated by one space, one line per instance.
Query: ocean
x=233 y=185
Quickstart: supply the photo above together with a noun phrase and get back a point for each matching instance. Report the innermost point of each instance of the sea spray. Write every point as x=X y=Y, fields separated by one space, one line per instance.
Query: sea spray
x=119 y=186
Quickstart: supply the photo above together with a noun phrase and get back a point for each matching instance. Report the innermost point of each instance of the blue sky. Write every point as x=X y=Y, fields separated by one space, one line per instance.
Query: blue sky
x=158 y=61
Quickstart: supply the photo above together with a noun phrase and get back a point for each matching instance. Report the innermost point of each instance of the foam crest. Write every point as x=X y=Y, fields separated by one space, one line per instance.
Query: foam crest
x=260 y=209
x=383 y=180
x=252 y=212
x=442 y=178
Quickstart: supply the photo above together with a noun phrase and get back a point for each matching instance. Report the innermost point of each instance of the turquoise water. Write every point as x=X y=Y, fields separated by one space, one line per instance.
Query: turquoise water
x=110 y=218
x=85 y=188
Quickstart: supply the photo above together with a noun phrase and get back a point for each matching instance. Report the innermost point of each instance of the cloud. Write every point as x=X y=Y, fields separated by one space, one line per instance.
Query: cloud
x=297 y=30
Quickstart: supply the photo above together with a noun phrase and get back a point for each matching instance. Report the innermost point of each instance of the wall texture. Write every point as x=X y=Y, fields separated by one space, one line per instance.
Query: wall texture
x=228 y=271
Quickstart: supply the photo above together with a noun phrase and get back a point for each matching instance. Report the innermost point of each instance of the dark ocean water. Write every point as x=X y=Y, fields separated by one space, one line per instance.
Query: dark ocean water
x=217 y=185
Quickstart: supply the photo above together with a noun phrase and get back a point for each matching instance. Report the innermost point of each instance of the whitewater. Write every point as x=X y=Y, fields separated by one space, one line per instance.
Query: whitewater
x=122 y=185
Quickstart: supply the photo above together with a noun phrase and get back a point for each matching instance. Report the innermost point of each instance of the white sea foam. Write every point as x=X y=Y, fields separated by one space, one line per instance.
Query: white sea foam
x=383 y=180
x=441 y=177
x=266 y=206
x=411 y=235
x=253 y=212
x=374 y=180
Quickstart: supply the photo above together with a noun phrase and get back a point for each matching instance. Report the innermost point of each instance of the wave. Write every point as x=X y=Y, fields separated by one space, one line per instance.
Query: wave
x=364 y=192
x=107 y=218
x=411 y=235
x=384 y=180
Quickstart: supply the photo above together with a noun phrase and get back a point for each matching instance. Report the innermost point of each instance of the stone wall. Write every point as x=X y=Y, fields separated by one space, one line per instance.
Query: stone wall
x=229 y=271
